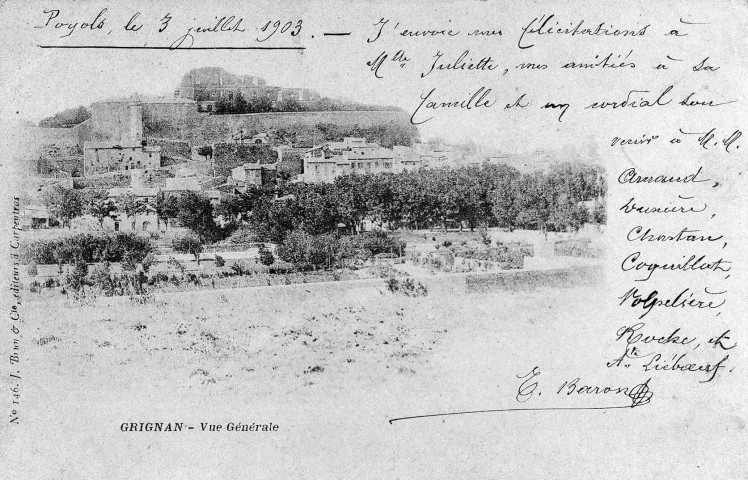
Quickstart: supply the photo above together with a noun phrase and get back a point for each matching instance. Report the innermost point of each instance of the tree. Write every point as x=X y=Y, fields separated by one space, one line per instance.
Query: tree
x=289 y=105
x=304 y=250
x=205 y=151
x=196 y=213
x=261 y=104
x=98 y=205
x=65 y=204
x=599 y=214
x=190 y=244
x=66 y=118
x=167 y=207
x=132 y=206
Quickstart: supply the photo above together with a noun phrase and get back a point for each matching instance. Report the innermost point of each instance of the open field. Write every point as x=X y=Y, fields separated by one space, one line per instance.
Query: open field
x=320 y=360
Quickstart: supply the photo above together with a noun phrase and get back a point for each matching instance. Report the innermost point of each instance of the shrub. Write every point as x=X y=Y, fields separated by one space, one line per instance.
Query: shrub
x=220 y=261
x=377 y=242
x=189 y=244
x=51 y=283
x=239 y=268
x=77 y=279
x=266 y=256
x=148 y=262
x=35 y=286
x=446 y=244
x=485 y=238
x=159 y=277
x=101 y=277
x=411 y=289
x=32 y=270
x=305 y=250
x=173 y=262
x=128 y=262
x=87 y=247
x=408 y=287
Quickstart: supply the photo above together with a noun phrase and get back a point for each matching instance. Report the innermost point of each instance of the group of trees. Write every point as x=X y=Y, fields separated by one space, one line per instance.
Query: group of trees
x=315 y=214
x=495 y=195
x=238 y=104
x=190 y=209
x=66 y=118
x=88 y=248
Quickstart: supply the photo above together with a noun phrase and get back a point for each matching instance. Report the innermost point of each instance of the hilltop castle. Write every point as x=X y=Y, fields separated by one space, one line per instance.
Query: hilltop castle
x=208 y=85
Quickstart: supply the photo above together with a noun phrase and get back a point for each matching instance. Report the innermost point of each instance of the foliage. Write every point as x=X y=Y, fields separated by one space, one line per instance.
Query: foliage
x=599 y=214
x=96 y=203
x=87 y=247
x=378 y=242
x=101 y=276
x=148 y=261
x=306 y=250
x=220 y=261
x=77 y=279
x=473 y=197
x=407 y=287
x=266 y=256
x=167 y=207
x=485 y=238
x=189 y=244
x=66 y=118
x=63 y=203
x=195 y=212
x=131 y=206
x=205 y=151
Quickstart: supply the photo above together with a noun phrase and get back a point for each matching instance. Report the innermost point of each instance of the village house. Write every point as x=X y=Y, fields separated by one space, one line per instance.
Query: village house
x=254 y=174
x=145 y=221
x=108 y=156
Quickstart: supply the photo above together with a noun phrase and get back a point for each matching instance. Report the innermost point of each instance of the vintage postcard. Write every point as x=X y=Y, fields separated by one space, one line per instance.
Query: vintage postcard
x=468 y=239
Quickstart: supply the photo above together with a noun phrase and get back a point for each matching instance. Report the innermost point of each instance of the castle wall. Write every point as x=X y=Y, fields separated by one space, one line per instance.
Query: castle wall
x=172 y=148
x=117 y=122
x=204 y=129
